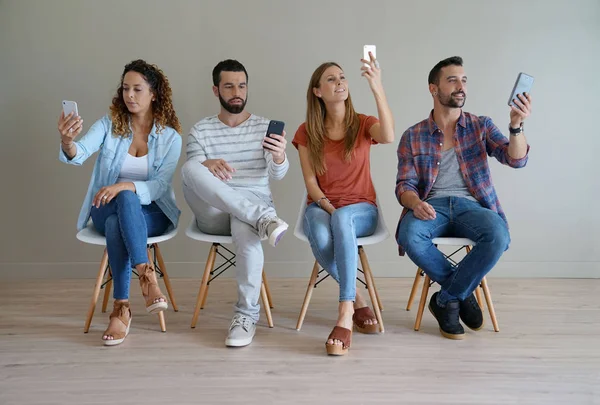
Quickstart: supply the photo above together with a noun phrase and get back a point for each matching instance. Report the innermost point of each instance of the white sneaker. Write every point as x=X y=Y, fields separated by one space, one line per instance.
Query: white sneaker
x=272 y=228
x=241 y=331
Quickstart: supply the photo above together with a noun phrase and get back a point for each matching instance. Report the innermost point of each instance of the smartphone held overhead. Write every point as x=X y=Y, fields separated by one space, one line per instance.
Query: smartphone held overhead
x=366 y=50
x=523 y=84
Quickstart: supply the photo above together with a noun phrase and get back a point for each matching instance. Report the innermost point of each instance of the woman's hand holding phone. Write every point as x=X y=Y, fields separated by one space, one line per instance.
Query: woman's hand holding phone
x=69 y=127
x=371 y=71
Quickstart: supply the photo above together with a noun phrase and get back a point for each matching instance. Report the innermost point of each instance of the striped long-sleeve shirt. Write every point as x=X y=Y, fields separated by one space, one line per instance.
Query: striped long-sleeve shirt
x=241 y=147
x=476 y=137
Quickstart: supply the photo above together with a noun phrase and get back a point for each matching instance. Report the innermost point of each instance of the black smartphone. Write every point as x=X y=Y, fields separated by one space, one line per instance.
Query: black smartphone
x=522 y=85
x=275 y=127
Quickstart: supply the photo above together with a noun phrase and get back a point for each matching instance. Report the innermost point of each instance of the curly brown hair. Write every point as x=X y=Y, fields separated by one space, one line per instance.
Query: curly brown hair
x=162 y=108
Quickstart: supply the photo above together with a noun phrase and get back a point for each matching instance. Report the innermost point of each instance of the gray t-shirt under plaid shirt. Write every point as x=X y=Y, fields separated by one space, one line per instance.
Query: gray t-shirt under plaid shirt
x=449 y=181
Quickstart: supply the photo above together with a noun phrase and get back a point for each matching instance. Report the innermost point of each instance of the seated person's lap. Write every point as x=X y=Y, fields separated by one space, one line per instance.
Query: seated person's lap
x=468 y=219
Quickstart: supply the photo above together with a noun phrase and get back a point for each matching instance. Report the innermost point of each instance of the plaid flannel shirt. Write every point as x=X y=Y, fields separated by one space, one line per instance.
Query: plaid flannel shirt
x=476 y=137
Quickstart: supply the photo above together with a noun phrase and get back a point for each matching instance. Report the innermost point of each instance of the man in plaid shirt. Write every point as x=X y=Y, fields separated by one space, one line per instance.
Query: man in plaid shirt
x=445 y=186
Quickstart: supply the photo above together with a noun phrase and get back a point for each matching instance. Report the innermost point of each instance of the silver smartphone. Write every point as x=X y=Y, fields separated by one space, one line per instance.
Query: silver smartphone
x=522 y=85
x=70 y=107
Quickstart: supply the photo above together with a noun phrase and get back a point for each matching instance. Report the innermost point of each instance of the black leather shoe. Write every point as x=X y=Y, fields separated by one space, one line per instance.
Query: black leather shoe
x=470 y=313
x=448 y=318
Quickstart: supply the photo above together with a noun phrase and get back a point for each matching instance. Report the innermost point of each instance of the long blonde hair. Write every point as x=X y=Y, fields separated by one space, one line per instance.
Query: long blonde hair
x=315 y=122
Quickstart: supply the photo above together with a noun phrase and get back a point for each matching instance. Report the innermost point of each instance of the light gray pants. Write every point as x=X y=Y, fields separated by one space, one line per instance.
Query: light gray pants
x=224 y=210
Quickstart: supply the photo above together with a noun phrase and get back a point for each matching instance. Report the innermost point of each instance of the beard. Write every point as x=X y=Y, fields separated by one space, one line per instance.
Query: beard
x=450 y=101
x=233 y=108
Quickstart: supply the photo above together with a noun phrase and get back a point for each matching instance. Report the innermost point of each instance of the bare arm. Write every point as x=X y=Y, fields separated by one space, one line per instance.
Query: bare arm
x=517 y=145
x=382 y=132
x=409 y=199
x=69 y=127
x=310 y=180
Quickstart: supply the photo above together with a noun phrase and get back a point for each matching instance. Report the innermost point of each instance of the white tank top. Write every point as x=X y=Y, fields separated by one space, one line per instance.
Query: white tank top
x=134 y=169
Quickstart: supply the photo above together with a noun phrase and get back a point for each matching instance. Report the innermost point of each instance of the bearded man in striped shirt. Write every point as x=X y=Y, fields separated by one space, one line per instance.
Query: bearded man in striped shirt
x=226 y=184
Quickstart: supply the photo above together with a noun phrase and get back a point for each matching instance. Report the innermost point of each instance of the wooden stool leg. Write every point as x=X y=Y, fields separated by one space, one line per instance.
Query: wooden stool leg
x=205 y=296
x=490 y=305
x=266 y=304
x=96 y=293
x=210 y=262
x=375 y=289
x=369 y=278
x=107 y=287
x=309 y=291
x=163 y=269
x=422 y=302
x=264 y=278
x=413 y=290
x=478 y=297
x=477 y=291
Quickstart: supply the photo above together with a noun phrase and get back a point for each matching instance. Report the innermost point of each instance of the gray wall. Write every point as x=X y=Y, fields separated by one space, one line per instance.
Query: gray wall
x=54 y=50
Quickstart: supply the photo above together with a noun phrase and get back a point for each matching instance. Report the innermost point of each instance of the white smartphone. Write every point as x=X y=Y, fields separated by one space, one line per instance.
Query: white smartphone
x=366 y=50
x=523 y=84
x=70 y=107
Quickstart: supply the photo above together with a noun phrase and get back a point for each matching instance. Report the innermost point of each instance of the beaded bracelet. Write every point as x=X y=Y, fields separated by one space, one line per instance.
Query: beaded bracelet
x=322 y=198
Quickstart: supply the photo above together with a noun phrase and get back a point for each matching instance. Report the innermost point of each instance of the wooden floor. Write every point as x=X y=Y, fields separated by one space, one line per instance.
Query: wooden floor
x=547 y=352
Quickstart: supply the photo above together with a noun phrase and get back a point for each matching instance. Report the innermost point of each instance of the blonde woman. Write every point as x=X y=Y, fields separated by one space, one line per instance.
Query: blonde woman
x=334 y=146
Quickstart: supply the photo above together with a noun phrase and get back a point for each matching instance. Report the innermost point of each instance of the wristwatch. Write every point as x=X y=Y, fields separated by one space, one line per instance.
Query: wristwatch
x=515 y=131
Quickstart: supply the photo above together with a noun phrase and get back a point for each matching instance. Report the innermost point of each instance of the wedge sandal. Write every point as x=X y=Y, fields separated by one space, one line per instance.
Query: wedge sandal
x=151 y=291
x=122 y=313
x=361 y=315
x=342 y=334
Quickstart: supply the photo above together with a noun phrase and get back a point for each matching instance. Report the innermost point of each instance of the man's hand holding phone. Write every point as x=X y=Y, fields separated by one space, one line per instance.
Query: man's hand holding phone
x=520 y=100
x=520 y=110
x=276 y=144
x=275 y=141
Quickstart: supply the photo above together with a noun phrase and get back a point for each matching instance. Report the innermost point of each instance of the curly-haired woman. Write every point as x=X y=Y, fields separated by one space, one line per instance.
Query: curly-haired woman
x=130 y=196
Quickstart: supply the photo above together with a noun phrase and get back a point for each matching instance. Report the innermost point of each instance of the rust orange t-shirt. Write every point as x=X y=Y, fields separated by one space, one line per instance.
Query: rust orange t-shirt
x=344 y=182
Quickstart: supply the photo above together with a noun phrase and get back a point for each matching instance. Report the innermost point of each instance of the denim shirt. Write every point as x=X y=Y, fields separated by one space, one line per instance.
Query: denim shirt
x=163 y=154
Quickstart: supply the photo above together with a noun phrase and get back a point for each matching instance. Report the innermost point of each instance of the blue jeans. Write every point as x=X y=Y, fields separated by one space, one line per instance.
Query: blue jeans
x=456 y=217
x=127 y=225
x=333 y=240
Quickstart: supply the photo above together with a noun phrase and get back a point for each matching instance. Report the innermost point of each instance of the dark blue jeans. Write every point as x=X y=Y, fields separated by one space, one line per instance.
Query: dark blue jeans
x=455 y=217
x=127 y=225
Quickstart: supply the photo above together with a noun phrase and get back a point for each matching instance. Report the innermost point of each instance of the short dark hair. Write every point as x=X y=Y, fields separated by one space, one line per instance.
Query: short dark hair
x=228 y=65
x=434 y=75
